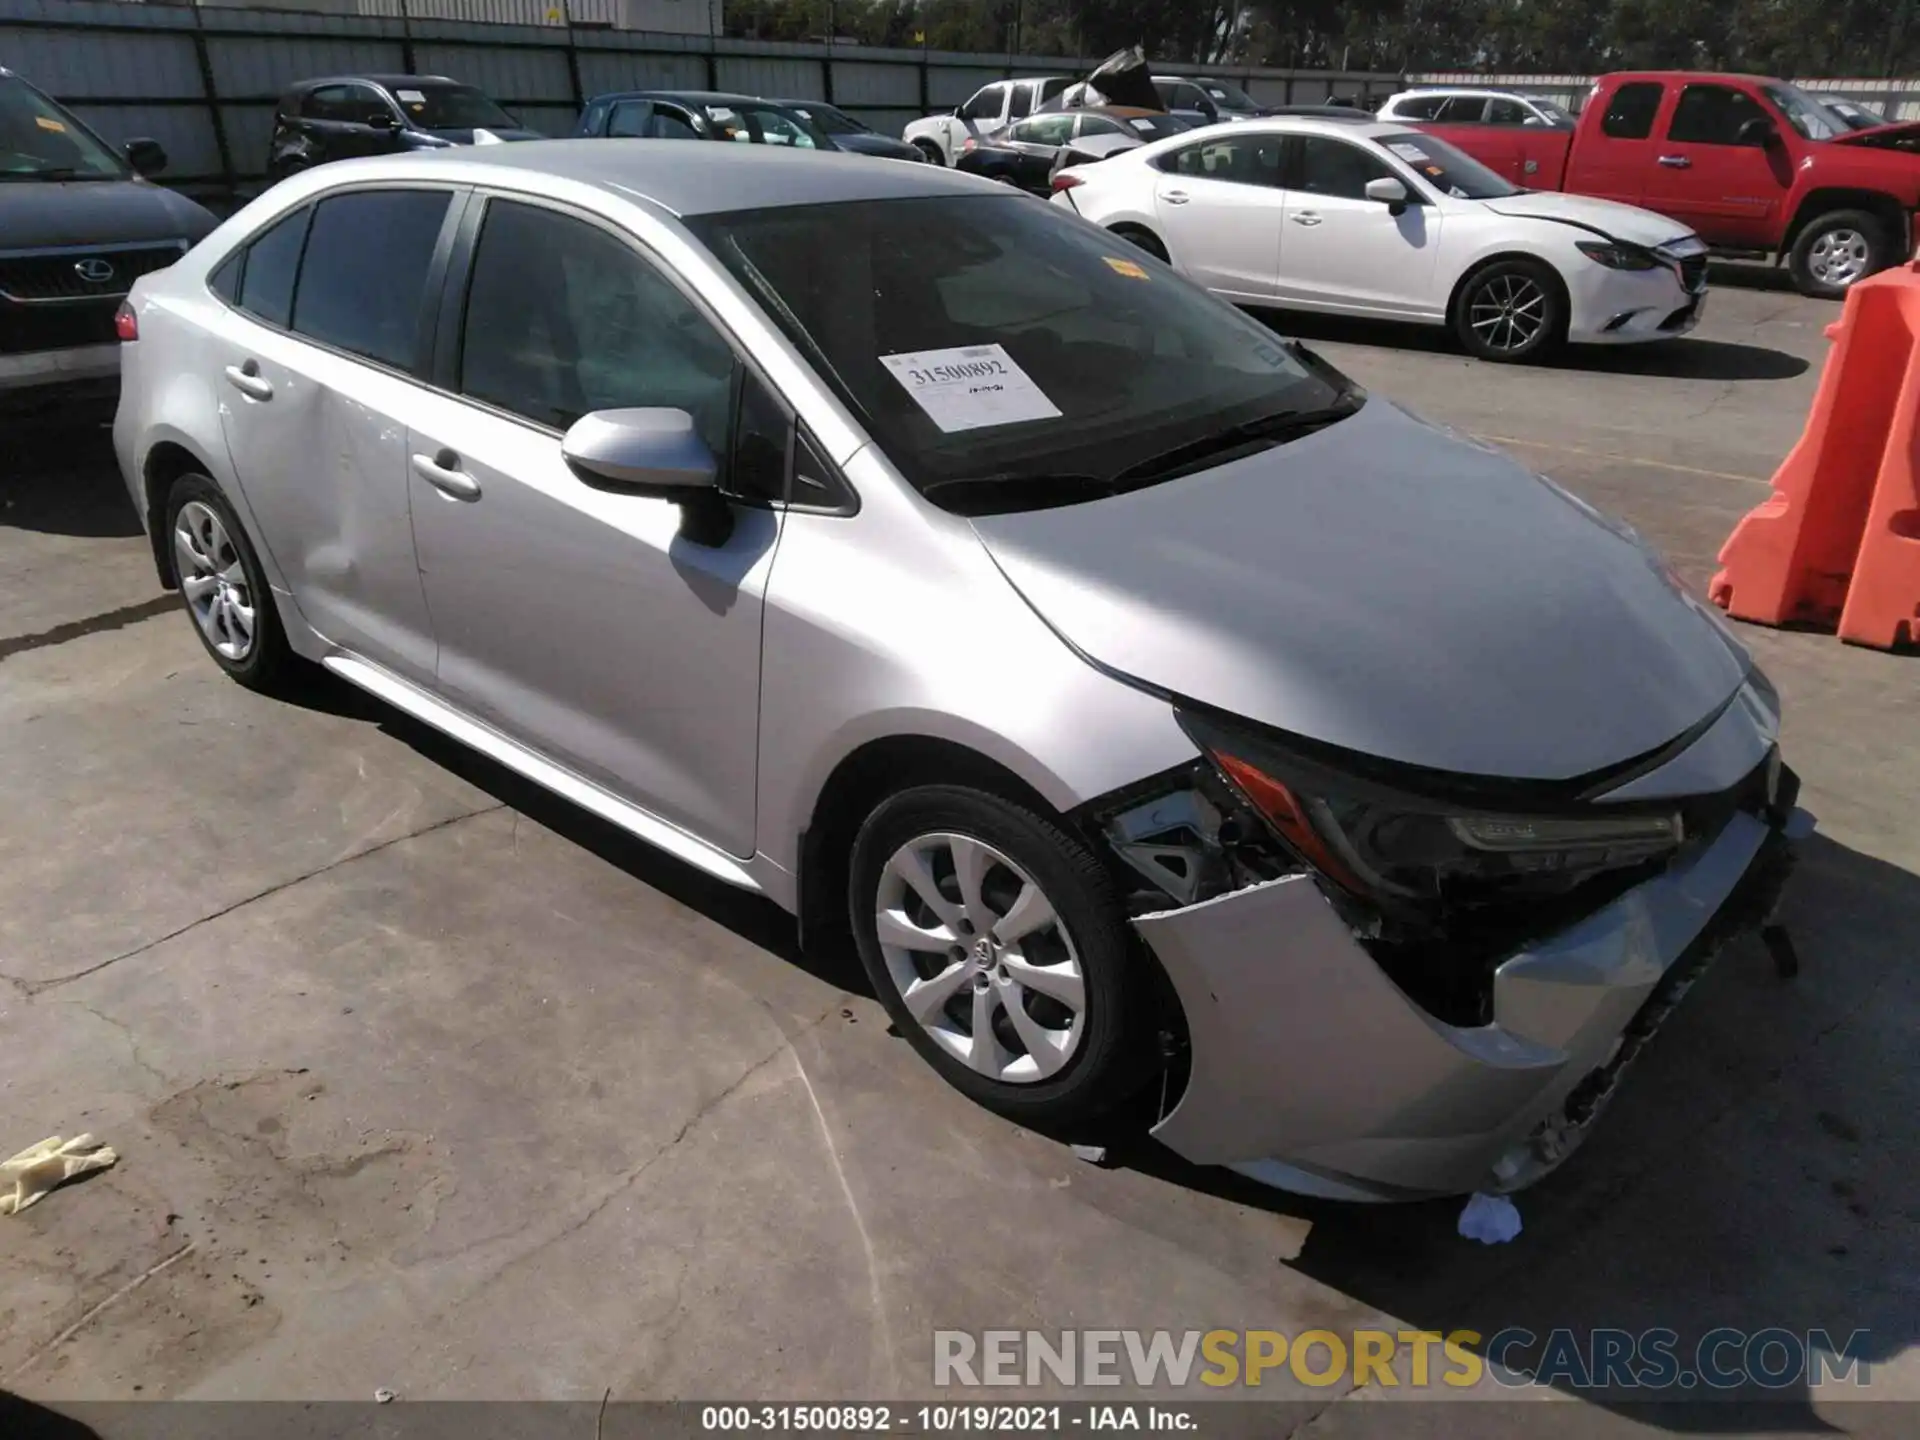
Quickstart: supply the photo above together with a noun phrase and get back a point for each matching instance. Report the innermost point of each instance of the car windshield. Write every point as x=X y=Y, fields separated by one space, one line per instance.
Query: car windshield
x=40 y=141
x=452 y=107
x=1806 y=114
x=1228 y=97
x=988 y=341
x=825 y=117
x=1450 y=171
x=764 y=125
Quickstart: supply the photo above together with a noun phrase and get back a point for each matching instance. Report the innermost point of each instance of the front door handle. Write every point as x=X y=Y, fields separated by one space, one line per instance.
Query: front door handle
x=443 y=472
x=1304 y=217
x=1676 y=162
x=1176 y=197
x=247 y=379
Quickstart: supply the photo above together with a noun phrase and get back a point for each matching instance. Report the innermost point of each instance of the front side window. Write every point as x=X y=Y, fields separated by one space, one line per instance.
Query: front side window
x=1714 y=115
x=1419 y=107
x=1240 y=160
x=672 y=125
x=562 y=319
x=272 y=264
x=762 y=125
x=1054 y=129
x=1100 y=125
x=364 y=276
x=1448 y=169
x=1631 y=109
x=825 y=117
x=986 y=105
x=1506 y=112
x=40 y=141
x=451 y=107
x=348 y=105
x=629 y=120
x=1337 y=169
x=989 y=343
x=1462 y=110
x=1020 y=102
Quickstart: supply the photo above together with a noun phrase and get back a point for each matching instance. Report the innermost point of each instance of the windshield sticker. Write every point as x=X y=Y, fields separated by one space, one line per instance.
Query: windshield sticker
x=1411 y=153
x=1125 y=267
x=47 y=124
x=411 y=97
x=970 y=387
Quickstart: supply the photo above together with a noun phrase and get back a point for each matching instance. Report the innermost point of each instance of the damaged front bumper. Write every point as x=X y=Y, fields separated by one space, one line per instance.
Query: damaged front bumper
x=1312 y=1071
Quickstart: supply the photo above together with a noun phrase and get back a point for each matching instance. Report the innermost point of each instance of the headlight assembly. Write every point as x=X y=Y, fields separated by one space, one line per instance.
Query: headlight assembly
x=1618 y=254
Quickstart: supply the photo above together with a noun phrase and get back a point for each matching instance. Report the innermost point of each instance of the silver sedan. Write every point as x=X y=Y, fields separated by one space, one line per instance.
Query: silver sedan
x=1145 y=701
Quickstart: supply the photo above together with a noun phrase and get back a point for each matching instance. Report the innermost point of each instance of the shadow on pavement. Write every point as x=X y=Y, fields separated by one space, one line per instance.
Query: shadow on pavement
x=23 y=1420
x=62 y=478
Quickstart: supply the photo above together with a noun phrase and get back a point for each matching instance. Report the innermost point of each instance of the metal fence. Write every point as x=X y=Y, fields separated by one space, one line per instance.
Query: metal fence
x=1896 y=99
x=204 y=81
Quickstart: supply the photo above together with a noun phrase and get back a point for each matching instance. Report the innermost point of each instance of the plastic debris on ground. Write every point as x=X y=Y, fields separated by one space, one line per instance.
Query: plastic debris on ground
x=38 y=1169
x=1490 y=1219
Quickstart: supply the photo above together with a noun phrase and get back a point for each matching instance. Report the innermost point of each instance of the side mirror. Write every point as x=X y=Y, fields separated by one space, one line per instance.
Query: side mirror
x=147 y=157
x=1389 y=192
x=1757 y=131
x=655 y=453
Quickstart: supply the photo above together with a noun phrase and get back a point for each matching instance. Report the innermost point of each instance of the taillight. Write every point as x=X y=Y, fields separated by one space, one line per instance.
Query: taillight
x=1064 y=181
x=126 y=324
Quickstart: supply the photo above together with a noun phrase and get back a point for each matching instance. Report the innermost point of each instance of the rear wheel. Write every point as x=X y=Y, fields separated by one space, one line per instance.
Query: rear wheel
x=224 y=588
x=1143 y=239
x=1836 y=251
x=999 y=947
x=1511 y=311
x=930 y=152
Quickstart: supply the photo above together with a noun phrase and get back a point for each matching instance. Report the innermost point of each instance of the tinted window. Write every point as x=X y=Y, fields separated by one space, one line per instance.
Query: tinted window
x=985 y=105
x=266 y=287
x=1056 y=86
x=563 y=319
x=761 y=434
x=225 y=280
x=1045 y=129
x=1022 y=102
x=825 y=117
x=672 y=125
x=451 y=107
x=1713 y=115
x=1631 y=110
x=595 y=118
x=365 y=272
x=628 y=120
x=1248 y=160
x=763 y=125
x=347 y=104
x=1335 y=168
x=1462 y=110
x=1506 y=112
x=1420 y=107
x=1100 y=125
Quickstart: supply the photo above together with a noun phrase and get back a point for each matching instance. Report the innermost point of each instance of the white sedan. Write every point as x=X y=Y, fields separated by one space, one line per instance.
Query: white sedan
x=1370 y=219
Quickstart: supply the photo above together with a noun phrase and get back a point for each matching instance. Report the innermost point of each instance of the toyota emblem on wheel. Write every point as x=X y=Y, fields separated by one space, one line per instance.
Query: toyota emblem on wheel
x=93 y=270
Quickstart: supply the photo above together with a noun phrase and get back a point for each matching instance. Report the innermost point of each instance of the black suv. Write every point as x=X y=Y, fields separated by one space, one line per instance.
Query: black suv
x=343 y=116
x=79 y=224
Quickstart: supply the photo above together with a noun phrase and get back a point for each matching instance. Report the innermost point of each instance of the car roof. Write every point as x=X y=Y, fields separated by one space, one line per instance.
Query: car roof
x=713 y=179
x=796 y=104
x=390 y=82
x=688 y=97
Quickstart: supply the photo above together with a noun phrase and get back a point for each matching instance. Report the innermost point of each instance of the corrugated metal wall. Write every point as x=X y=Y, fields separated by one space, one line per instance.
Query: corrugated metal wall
x=203 y=80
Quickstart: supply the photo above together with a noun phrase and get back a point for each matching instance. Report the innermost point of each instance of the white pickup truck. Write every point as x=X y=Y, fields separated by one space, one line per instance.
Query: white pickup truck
x=940 y=137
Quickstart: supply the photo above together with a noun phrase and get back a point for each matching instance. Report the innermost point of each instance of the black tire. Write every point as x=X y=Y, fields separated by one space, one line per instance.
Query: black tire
x=930 y=152
x=1539 y=300
x=268 y=663
x=1809 y=261
x=1110 y=1060
x=1146 y=240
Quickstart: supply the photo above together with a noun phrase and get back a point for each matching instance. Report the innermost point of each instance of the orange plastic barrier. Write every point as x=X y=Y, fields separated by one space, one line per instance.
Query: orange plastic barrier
x=1838 y=542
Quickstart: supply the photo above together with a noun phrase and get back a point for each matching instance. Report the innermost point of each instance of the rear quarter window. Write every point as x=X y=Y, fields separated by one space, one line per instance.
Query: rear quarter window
x=270 y=266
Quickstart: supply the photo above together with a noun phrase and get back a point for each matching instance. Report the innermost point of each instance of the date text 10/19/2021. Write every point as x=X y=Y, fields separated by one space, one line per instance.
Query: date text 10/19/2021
x=946 y=1419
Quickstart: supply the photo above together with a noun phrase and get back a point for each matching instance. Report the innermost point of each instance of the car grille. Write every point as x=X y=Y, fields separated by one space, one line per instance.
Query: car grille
x=26 y=328
x=53 y=276
x=1693 y=273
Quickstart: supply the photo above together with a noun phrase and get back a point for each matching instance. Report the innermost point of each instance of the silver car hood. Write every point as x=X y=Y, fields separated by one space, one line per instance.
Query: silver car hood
x=1386 y=586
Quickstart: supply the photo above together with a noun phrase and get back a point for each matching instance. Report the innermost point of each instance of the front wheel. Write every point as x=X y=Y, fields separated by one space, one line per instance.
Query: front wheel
x=998 y=945
x=1836 y=251
x=930 y=152
x=1511 y=312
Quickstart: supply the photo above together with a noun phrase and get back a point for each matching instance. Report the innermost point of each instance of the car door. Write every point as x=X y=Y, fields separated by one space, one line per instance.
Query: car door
x=1614 y=158
x=323 y=344
x=1340 y=250
x=1219 y=207
x=1714 y=172
x=581 y=622
x=985 y=113
x=1035 y=144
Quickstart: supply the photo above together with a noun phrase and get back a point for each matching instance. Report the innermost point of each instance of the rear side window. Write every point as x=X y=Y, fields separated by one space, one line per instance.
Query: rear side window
x=1713 y=115
x=629 y=119
x=1631 y=110
x=1463 y=110
x=1506 y=112
x=365 y=272
x=1022 y=102
x=1420 y=107
x=272 y=263
x=1248 y=160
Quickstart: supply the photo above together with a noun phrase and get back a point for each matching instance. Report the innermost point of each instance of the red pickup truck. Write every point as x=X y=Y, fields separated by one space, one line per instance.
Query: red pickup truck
x=1753 y=165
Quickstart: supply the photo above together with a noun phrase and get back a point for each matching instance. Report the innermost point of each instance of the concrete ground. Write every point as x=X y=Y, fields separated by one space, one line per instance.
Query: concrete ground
x=422 y=1080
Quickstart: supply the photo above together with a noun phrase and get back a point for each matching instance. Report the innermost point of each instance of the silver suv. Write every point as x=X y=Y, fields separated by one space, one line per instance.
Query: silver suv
x=1142 y=698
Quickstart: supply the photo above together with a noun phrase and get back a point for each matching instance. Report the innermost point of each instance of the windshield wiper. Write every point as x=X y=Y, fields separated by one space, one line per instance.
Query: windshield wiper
x=1008 y=490
x=1248 y=437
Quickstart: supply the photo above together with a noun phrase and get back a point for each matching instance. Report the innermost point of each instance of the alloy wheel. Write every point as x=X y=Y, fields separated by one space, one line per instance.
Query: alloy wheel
x=980 y=958
x=214 y=580
x=1839 y=257
x=1508 y=312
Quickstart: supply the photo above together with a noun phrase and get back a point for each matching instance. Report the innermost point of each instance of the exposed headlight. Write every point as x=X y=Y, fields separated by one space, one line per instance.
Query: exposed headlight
x=1618 y=254
x=1387 y=841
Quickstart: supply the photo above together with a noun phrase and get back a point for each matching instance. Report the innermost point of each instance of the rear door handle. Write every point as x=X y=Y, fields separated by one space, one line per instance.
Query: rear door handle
x=1305 y=217
x=1176 y=197
x=1676 y=162
x=247 y=379
x=443 y=472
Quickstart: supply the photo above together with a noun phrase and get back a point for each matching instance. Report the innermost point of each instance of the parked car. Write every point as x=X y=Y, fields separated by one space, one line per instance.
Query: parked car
x=1204 y=100
x=700 y=115
x=79 y=222
x=1027 y=153
x=990 y=108
x=1390 y=791
x=345 y=117
x=1754 y=165
x=1367 y=218
x=1449 y=105
x=848 y=133
x=1852 y=113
